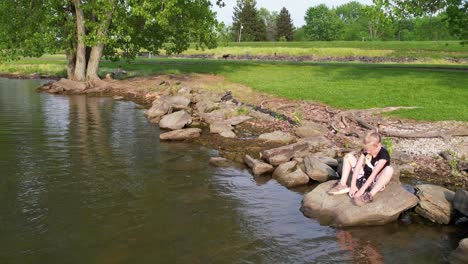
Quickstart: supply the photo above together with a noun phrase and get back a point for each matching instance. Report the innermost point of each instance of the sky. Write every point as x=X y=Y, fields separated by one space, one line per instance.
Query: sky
x=297 y=8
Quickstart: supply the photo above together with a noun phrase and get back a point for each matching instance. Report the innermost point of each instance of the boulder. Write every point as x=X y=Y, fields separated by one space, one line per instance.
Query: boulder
x=317 y=142
x=338 y=210
x=206 y=106
x=220 y=162
x=401 y=157
x=406 y=169
x=175 y=120
x=460 y=254
x=328 y=161
x=159 y=109
x=184 y=91
x=181 y=134
x=283 y=154
x=228 y=134
x=236 y=120
x=258 y=167
x=328 y=152
x=318 y=170
x=277 y=136
x=117 y=97
x=215 y=116
x=310 y=129
x=178 y=102
x=290 y=175
x=435 y=203
x=220 y=127
x=460 y=201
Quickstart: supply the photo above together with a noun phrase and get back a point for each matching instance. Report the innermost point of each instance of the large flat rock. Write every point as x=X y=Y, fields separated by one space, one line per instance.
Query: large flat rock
x=460 y=201
x=340 y=211
x=435 y=203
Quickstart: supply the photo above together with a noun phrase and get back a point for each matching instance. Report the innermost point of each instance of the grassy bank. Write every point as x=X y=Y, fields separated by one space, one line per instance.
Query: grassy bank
x=424 y=50
x=441 y=94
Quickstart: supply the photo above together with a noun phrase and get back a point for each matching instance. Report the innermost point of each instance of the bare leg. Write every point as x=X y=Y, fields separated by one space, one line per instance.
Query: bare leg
x=384 y=177
x=349 y=161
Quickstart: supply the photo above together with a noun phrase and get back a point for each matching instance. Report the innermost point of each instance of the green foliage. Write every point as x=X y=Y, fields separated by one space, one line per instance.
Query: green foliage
x=32 y=28
x=242 y=111
x=297 y=115
x=247 y=24
x=279 y=116
x=387 y=143
x=284 y=25
x=322 y=23
x=269 y=18
x=299 y=34
x=224 y=34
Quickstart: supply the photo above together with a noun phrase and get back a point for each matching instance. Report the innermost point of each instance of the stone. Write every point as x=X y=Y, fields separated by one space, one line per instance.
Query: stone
x=220 y=162
x=283 y=154
x=277 y=136
x=317 y=170
x=460 y=254
x=178 y=102
x=328 y=161
x=258 y=167
x=289 y=175
x=401 y=157
x=236 y=120
x=328 y=152
x=184 y=91
x=317 y=142
x=220 y=127
x=181 y=134
x=175 y=120
x=435 y=203
x=69 y=85
x=215 y=116
x=117 y=97
x=228 y=134
x=339 y=211
x=310 y=129
x=157 y=110
x=206 y=106
x=406 y=169
x=460 y=201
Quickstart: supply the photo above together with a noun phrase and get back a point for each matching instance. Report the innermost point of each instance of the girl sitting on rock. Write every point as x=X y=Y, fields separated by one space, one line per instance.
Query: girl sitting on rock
x=371 y=172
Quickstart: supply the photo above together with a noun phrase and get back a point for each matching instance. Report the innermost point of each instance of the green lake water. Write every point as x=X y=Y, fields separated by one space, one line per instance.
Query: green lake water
x=86 y=180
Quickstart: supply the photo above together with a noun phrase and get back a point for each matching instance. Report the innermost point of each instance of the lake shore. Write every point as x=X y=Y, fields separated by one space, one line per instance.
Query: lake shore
x=420 y=155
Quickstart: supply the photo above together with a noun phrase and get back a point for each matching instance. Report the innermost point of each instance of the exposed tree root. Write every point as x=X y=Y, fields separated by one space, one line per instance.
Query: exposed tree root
x=365 y=119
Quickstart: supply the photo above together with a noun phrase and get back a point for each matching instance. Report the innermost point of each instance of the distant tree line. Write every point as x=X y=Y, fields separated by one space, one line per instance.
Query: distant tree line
x=384 y=20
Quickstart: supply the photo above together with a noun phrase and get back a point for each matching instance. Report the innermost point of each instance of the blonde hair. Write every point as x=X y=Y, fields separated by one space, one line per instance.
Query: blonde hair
x=372 y=138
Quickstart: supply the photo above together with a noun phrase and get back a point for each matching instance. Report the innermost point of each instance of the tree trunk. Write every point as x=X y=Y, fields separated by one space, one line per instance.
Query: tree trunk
x=80 y=66
x=71 y=61
x=93 y=63
x=96 y=52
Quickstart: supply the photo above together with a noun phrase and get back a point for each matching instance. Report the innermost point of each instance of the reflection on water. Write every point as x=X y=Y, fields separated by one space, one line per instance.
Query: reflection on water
x=86 y=180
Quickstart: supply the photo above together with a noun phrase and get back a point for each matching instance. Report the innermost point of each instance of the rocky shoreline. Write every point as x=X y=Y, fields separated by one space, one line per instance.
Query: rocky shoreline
x=295 y=152
x=312 y=58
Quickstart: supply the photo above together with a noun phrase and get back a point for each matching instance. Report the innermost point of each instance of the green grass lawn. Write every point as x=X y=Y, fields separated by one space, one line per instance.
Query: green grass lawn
x=440 y=94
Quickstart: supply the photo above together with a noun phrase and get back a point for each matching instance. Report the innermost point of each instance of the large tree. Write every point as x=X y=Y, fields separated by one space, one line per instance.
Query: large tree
x=456 y=12
x=284 y=25
x=87 y=30
x=247 y=23
x=269 y=18
x=322 y=23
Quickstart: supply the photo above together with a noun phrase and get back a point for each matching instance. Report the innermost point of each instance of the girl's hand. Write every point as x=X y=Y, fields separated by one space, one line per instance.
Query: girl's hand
x=359 y=193
x=352 y=191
